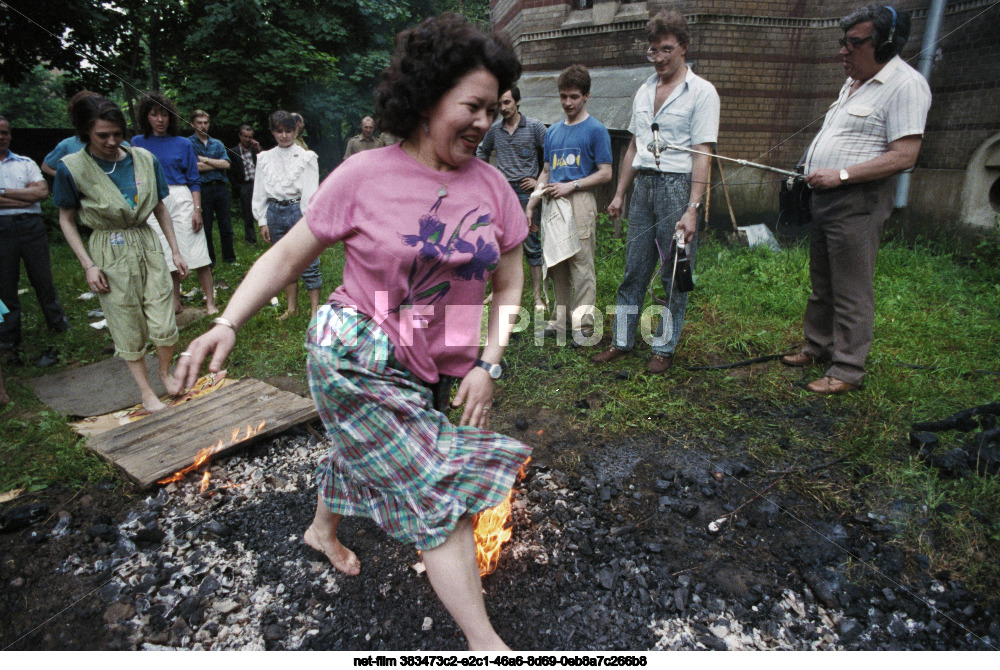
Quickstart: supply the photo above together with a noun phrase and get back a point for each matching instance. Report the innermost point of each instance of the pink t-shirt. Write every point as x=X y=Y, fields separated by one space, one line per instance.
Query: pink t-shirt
x=415 y=261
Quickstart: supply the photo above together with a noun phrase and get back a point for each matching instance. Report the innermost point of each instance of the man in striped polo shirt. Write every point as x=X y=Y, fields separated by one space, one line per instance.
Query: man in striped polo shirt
x=518 y=140
x=870 y=134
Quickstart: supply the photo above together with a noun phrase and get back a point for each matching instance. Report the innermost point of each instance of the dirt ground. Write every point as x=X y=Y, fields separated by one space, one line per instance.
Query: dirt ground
x=611 y=550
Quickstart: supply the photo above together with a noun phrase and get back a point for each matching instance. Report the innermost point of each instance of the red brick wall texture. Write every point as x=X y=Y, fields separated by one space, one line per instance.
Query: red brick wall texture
x=775 y=66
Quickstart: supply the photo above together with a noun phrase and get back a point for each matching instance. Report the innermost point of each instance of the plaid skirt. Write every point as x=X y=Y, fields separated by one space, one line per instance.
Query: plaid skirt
x=394 y=458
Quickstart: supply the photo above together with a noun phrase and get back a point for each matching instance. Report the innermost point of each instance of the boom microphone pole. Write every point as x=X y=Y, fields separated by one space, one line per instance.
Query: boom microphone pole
x=674 y=147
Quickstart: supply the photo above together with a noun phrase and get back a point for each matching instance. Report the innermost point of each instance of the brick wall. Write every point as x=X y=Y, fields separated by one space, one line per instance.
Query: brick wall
x=776 y=68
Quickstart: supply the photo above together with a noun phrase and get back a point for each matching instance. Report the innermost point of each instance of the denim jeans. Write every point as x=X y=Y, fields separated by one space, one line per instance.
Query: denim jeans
x=658 y=202
x=23 y=238
x=532 y=243
x=280 y=219
x=215 y=202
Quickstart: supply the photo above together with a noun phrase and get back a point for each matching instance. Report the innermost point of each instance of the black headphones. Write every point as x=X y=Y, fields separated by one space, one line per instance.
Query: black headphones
x=886 y=49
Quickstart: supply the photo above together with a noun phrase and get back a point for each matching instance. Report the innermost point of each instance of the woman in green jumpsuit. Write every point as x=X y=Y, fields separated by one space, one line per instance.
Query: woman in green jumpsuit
x=113 y=190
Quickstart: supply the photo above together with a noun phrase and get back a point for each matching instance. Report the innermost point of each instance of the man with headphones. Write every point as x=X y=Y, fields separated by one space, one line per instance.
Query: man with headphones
x=870 y=134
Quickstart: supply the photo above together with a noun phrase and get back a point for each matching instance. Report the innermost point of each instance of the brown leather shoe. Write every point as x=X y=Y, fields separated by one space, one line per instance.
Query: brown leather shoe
x=798 y=360
x=659 y=364
x=830 y=385
x=612 y=353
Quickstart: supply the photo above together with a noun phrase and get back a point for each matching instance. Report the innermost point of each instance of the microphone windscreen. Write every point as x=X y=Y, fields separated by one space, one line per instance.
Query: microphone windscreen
x=654 y=127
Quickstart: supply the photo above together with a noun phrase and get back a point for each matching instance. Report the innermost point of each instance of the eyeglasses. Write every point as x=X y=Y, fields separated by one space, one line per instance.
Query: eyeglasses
x=651 y=53
x=855 y=42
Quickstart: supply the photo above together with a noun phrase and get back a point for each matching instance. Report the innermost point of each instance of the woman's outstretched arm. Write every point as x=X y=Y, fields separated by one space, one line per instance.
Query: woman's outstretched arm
x=276 y=269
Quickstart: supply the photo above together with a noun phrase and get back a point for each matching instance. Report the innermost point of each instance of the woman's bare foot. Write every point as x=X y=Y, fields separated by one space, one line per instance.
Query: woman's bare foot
x=288 y=313
x=153 y=404
x=178 y=308
x=171 y=384
x=340 y=556
x=4 y=398
x=211 y=309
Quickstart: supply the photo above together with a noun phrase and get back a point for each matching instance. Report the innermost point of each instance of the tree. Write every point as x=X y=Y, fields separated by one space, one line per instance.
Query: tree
x=243 y=59
x=39 y=101
x=34 y=32
x=238 y=59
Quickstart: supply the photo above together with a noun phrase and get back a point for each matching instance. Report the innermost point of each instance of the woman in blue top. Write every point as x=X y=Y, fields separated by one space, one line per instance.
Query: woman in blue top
x=113 y=191
x=159 y=122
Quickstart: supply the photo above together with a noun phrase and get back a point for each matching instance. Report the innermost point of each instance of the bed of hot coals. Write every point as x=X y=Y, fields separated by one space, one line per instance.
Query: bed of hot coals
x=611 y=550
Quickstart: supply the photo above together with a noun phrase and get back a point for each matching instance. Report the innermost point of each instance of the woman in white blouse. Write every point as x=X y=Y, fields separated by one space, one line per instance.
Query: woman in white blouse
x=287 y=176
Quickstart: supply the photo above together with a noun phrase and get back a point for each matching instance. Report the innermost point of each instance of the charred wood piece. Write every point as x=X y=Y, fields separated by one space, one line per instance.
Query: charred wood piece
x=962 y=421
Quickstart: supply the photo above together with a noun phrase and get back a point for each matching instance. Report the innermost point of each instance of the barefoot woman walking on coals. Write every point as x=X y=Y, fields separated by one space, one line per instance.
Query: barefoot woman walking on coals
x=425 y=225
x=113 y=191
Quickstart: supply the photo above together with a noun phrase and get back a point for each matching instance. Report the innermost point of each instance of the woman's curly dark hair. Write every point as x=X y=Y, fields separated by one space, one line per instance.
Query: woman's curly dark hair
x=152 y=99
x=429 y=60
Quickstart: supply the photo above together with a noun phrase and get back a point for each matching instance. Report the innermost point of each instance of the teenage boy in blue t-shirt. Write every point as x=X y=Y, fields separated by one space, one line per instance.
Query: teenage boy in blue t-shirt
x=577 y=160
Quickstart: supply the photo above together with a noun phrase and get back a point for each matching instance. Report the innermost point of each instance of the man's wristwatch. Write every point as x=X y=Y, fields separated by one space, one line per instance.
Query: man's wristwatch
x=696 y=205
x=494 y=369
x=576 y=184
x=843 y=175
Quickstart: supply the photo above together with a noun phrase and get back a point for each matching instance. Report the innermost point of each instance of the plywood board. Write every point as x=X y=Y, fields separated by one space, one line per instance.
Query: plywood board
x=229 y=418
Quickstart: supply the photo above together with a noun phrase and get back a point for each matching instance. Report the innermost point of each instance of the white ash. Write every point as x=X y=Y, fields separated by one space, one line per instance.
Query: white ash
x=191 y=553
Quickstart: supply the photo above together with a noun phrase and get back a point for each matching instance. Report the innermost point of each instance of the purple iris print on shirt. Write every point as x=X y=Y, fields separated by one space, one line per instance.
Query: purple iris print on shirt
x=484 y=259
x=427 y=282
x=429 y=239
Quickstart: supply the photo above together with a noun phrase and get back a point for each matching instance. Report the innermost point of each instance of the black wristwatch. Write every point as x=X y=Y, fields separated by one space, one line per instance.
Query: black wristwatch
x=493 y=368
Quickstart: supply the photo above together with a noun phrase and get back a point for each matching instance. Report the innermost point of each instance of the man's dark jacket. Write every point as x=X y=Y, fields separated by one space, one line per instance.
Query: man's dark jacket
x=236 y=177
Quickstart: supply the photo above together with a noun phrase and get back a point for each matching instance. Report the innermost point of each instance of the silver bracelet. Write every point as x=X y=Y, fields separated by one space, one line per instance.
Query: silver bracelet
x=222 y=321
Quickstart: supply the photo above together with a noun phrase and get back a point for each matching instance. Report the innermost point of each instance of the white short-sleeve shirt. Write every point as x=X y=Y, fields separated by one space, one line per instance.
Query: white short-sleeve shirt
x=891 y=105
x=18 y=171
x=688 y=117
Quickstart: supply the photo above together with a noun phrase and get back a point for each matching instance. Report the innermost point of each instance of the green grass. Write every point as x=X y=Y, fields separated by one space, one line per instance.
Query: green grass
x=934 y=308
x=937 y=306
x=37 y=448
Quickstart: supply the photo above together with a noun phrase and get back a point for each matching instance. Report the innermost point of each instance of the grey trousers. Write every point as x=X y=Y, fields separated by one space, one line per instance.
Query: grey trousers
x=658 y=202
x=840 y=314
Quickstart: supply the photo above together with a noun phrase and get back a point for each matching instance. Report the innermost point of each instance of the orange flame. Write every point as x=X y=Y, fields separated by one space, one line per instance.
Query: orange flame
x=203 y=457
x=492 y=529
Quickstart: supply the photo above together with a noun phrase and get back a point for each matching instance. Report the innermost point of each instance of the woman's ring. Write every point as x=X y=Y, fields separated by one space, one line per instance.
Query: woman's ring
x=184 y=353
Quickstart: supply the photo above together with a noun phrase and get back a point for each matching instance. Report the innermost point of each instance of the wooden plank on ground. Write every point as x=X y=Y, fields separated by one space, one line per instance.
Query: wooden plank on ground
x=165 y=442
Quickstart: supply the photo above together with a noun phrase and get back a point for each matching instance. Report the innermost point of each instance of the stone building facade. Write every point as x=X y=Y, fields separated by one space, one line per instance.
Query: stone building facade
x=775 y=65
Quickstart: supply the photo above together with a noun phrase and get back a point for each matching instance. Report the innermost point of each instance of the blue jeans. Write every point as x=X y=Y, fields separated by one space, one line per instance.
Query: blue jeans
x=532 y=243
x=658 y=202
x=280 y=219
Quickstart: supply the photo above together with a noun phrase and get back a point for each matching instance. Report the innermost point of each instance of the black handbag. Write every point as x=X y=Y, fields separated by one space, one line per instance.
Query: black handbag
x=683 y=279
x=793 y=201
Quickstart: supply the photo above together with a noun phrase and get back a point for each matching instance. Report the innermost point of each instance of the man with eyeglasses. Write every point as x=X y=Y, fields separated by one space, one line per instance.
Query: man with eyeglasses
x=870 y=134
x=669 y=185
